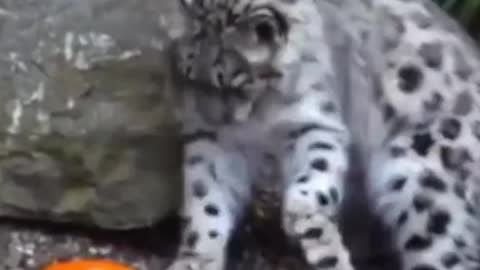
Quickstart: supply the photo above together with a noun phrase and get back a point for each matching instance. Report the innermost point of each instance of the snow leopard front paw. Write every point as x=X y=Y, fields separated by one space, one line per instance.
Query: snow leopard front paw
x=309 y=217
x=321 y=242
x=303 y=200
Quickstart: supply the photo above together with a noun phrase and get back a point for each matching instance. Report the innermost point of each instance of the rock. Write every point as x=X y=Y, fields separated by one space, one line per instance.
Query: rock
x=86 y=135
x=33 y=246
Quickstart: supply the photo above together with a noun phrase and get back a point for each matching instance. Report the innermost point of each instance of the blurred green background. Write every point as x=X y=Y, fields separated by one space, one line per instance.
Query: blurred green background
x=466 y=11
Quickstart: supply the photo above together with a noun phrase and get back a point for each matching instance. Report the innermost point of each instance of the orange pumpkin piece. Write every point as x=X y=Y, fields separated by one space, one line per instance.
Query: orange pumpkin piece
x=87 y=265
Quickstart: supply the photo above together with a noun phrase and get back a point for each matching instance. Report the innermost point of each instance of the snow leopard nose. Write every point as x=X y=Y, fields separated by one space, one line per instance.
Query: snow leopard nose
x=224 y=68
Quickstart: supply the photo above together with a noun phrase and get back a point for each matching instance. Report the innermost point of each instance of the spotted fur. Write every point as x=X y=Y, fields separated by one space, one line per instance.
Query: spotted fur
x=307 y=83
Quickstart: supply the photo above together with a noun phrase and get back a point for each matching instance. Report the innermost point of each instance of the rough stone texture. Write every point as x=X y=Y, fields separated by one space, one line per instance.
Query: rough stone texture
x=85 y=134
x=258 y=244
x=32 y=247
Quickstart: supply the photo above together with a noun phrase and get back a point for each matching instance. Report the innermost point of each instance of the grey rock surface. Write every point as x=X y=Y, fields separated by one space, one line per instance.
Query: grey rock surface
x=258 y=244
x=85 y=133
x=34 y=247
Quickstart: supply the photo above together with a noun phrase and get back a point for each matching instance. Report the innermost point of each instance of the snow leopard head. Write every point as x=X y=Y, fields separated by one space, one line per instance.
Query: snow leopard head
x=236 y=51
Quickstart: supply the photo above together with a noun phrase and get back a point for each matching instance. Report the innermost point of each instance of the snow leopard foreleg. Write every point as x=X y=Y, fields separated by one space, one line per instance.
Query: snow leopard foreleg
x=314 y=172
x=215 y=193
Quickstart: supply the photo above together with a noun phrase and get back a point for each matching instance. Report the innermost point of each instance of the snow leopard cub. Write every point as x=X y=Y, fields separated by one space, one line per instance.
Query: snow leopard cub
x=307 y=82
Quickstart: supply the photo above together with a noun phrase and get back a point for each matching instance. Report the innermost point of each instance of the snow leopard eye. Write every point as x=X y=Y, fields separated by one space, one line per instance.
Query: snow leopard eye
x=268 y=24
x=265 y=32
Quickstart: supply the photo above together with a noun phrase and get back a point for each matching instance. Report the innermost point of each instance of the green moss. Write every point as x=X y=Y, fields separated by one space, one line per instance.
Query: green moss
x=75 y=200
x=67 y=152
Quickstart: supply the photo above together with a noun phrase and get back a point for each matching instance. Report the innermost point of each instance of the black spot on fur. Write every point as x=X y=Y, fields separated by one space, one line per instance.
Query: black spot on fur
x=327 y=262
x=447 y=79
x=212 y=171
x=301 y=131
x=454 y=159
x=422 y=127
x=194 y=160
x=463 y=103
x=431 y=181
x=421 y=203
x=308 y=57
x=212 y=210
x=417 y=242
x=446 y=153
x=320 y=146
x=473 y=258
x=192 y=239
x=320 y=164
x=388 y=112
x=476 y=129
x=422 y=143
x=304 y=192
x=422 y=20
x=393 y=31
x=199 y=188
x=221 y=79
x=365 y=35
x=213 y=234
x=450 y=128
x=334 y=195
x=470 y=209
x=322 y=199
x=402 y=218
x=438 y=222
x=411 y=78
x=459 y=189
x=434 y=103
x=424 y=267
x=318 y=86
x=377 y=90
x=449 y=260
x=185 y=221
x=328 y=107
x=397 y=151
x=476 y=197
x=302 y=179
x=313 y=233
x=463 y=173
x=459 y=242
x=290 y=147
x=432 y=54
x=398 y=183
x=462 y=67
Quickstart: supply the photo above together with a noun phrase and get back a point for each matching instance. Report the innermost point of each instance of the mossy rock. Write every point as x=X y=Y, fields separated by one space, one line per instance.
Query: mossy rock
x=85 y=132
